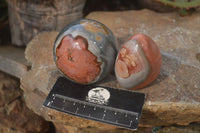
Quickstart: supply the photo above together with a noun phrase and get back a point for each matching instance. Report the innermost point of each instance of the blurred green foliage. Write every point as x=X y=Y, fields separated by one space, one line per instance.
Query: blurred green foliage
x=186 y=7
x=155 y=129
x=3 y=2
x=3 y=10
x=182 y=4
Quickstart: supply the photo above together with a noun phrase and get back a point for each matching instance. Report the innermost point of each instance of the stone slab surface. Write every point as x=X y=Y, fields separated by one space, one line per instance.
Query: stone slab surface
x=174 y=98
x=15 y=117
x=12 y=60
x=192 y=128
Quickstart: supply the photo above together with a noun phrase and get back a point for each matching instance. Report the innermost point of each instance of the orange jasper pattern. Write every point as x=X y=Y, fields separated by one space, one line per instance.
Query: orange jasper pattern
x=85 y=51
x=94 y=27
x=138 y=62
x=127 y=63
x=76 y=61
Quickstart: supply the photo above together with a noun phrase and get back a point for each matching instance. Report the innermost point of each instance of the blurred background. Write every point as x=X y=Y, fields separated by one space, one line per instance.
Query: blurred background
x=20 y=20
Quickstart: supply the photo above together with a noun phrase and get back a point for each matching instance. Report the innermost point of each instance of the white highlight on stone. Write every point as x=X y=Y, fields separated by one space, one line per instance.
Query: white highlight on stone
x=76 y=45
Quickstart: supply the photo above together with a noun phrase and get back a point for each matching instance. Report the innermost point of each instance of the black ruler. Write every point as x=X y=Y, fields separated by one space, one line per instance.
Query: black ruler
x=104 y=104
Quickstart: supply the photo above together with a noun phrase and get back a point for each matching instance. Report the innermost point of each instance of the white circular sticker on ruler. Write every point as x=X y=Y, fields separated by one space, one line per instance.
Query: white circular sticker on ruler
x=98 y=95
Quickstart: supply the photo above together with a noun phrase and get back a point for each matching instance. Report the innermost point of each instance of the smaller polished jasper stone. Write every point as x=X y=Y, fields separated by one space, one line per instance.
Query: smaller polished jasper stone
x=138 y=62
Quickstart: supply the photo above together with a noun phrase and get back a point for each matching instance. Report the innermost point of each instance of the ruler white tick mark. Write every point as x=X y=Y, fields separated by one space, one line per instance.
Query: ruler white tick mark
x=48 y=103
x=77 y=110
x=130 y=123
x=103 y=116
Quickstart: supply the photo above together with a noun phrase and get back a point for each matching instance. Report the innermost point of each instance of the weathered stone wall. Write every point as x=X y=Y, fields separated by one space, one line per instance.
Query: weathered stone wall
x=28 y=18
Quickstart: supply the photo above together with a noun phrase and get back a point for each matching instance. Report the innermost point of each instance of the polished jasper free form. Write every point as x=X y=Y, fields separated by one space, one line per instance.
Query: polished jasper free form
x=138 y=62
x=85 y=51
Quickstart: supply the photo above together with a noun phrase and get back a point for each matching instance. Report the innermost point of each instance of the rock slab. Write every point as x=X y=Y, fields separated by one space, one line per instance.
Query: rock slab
x=12 y=61
x=174 y=98
x=14 y=114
